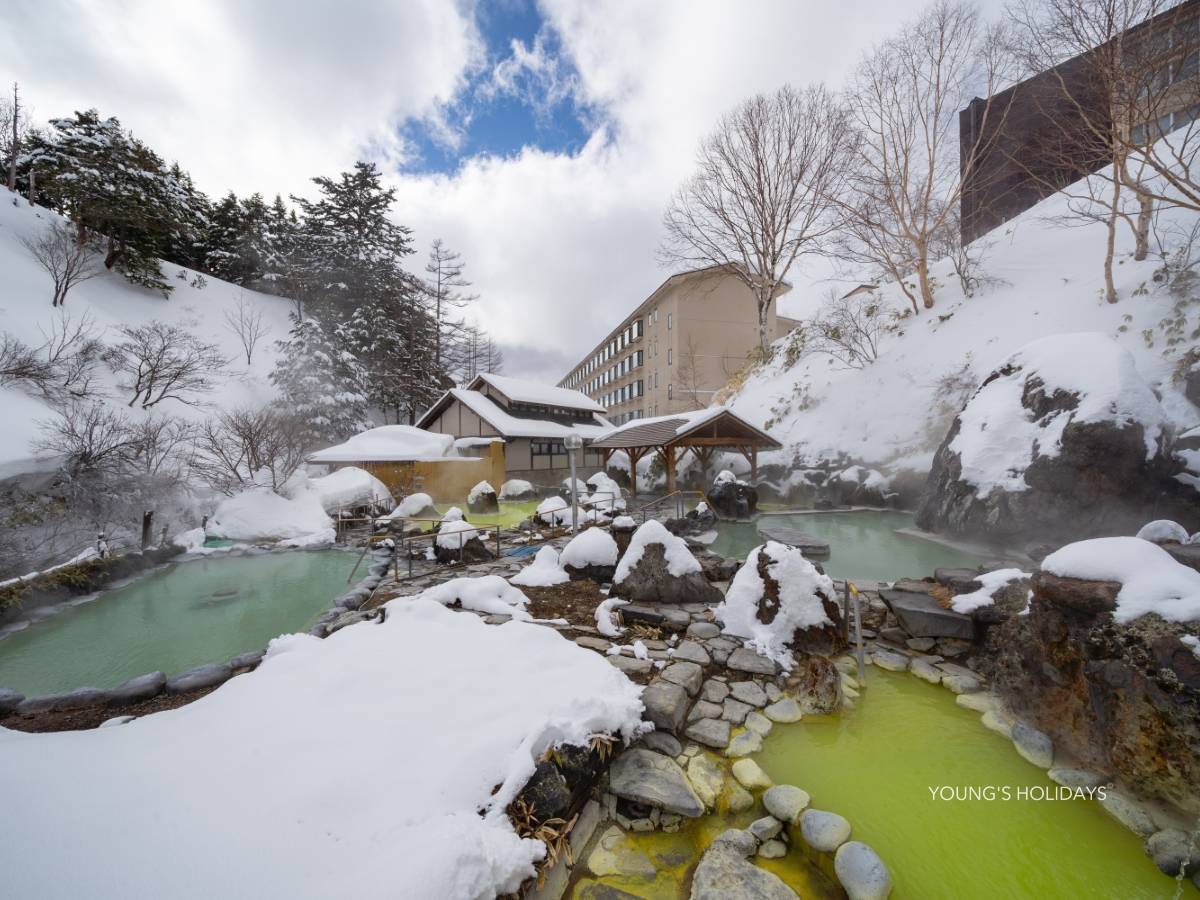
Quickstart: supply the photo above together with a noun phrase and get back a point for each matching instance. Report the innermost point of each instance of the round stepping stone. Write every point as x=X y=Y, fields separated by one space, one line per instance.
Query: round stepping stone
x=786 y=802
x=823 y=831
x=861 y=872
x=785 y=710
x=750 y=775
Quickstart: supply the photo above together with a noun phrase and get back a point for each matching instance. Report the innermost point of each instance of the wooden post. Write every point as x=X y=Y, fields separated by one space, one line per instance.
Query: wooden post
x=669 y=461
x=753 y=464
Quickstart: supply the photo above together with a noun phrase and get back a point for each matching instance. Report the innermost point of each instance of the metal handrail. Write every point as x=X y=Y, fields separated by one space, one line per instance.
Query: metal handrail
x=677 y=496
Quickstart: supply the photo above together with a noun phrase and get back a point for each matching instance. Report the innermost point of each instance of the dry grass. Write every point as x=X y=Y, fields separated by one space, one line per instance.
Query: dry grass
x=554 y=833
x=641 y=631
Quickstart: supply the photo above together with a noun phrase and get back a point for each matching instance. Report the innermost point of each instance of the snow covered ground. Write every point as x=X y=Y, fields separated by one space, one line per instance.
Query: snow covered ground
x=363 y=765
x=1043 y=279
x=112 y=302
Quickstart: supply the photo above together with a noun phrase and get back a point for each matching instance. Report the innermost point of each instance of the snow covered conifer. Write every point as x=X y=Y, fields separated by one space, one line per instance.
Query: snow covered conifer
x=321 y=382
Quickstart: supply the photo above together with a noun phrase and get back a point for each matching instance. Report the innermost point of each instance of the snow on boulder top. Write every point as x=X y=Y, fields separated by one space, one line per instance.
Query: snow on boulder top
x=479 y=490
x=388 y=443
x=412 y=505
x=489 y=594
x=800 y=606
x=1163 y=531
x=453 y=514
x=989 y=582
x=544 y=571
x=515 y=487
x=1151 y=580
x=454 y=534
x=554 y=510
x=724 y=477
x=594 y=547
x=624 y=522
x=349 y=486
x=999 y=436
x=679 y=558
x=260 y=514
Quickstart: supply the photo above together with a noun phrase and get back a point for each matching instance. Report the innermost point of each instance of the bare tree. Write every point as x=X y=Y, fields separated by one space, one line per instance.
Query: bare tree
x=67 y=260
x=246 y=321
x=20 y=363
x=689 y=375
x=165 y=362
x=1124 y=103
x=161 y=446
x=909 y=169
x=445 y=286
x=244 y=447
x=14 y=127
x=763 y=193
x=90 y=437
x=849 y=327
x=71 y=351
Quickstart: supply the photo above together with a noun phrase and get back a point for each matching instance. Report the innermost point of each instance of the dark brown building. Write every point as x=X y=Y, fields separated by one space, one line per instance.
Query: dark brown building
x=1034 y=138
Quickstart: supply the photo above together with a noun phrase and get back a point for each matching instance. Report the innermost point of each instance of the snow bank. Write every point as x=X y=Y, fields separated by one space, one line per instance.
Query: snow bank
x=411 y=505
x=544 y=571
x=1163 y=531
x=514 y=488
x=390 y=443
x=998 y=438
x=799 y=604
x=260 y=514
x=479 y=490
x=679 y=558
x=489 y=594
x=604 y=618
x=554 y=511
x=234 y=794
x=349 y=487
x=191 y=541
x=453 y=534
x=1151 y=581
x=594 y=547
x=990 y=582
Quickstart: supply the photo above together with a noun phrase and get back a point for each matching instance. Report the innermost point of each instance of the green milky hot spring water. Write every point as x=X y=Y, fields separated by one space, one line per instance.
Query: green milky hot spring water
x=195 y=612
x=863 y=544
x=875 y=765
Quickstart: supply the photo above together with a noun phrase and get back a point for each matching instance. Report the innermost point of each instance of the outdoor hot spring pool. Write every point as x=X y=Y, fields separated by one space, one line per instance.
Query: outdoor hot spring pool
x=188 y=614
x=874 y=765
x=863 y=544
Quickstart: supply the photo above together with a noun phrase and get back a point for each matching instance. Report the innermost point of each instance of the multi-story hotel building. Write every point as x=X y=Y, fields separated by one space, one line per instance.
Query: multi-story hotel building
x=676 y=349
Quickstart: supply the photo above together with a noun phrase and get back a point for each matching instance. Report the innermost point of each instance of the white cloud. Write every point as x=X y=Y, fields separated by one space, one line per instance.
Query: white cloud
x=260 y=96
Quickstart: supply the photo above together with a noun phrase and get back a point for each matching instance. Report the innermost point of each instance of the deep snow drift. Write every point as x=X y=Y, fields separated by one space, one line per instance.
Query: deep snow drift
x=259 y=789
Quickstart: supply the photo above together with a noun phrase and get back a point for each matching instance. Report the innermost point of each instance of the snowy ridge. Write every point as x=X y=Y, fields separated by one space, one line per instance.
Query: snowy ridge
x=1041 y=279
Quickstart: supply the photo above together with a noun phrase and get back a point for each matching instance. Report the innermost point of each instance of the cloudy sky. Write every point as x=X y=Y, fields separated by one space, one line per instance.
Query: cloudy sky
x=540 y=139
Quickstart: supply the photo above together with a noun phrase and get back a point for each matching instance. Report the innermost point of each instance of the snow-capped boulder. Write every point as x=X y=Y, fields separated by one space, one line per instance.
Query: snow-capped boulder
x=482 y=499
x=779 y=602
x=605 y=493
x=1063 y=438
x=459 y=541
x=415 y=506
x=731 y=497
x=554 y=511
x=859 y=486
x=517 y=489
x=544 y=571
x=590 y=554
x=1163 y=531
x=658 y=566
x=622 y=529
x=1103 y=662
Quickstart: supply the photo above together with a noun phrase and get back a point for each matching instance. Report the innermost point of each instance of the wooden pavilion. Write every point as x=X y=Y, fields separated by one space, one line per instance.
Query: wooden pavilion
x=703 y=432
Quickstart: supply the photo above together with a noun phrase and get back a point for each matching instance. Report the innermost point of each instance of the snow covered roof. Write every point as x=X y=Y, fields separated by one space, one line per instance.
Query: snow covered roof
x=522 y=391
x=660 y=430
x=388 y=443
x=514 y=426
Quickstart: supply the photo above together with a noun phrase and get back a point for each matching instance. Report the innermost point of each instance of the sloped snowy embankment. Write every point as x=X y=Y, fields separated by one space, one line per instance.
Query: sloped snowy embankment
x=356 y=766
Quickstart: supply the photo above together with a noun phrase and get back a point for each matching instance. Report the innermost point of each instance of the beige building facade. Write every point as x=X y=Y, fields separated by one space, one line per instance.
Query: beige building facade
x=676 y=349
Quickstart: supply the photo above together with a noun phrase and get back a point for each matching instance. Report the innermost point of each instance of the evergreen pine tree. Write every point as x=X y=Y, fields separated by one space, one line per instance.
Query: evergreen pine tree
x=321 y=382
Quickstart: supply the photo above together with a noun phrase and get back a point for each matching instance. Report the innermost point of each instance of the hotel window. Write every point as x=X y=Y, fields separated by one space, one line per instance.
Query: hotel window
x=668 y=356
x=668 y=321
x=639 y=359
x=670 y=391
x=546 y=448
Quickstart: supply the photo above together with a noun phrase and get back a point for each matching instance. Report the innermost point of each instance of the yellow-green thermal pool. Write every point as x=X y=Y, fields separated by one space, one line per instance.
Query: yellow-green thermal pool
x=184 y=615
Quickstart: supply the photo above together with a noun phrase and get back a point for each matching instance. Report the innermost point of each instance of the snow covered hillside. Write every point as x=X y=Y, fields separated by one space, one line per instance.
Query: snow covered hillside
x=112 y=302
x=1041 y=279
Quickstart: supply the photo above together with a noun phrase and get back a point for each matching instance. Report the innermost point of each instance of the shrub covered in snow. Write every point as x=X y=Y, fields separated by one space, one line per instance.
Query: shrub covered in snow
x=554 y=511
x=1163 y=531
x=605 y=491
x=593 y=547
x=769 y=623
x=1151 y=580
x=348 y=488
x=262 y=515
x=544 y=571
